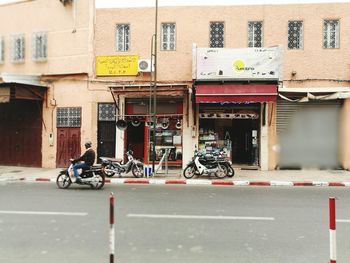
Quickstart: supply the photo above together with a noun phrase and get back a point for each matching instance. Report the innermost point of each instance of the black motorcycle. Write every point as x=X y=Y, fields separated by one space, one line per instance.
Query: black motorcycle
x=222 y=158
x=93 y=177
x=205 y=164
x=111 y=166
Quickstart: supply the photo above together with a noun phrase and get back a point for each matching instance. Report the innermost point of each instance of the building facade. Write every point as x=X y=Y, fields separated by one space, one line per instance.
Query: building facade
x=96 y=71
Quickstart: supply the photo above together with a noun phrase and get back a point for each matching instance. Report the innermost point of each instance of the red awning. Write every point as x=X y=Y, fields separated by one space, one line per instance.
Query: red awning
x=235 y=93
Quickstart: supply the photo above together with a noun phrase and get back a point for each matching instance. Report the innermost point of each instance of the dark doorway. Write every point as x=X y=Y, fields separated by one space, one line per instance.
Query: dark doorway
x=244 y=136
x=21 y=132
x=106 y=139
x=68 y=145
x=135 y=140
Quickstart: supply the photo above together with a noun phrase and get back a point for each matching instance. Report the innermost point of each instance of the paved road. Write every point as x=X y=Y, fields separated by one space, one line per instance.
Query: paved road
x=40 y=223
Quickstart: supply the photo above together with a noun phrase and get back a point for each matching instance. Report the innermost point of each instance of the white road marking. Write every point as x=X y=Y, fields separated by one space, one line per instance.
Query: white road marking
x=201 y=217
x=343 y=220
x=42 y=213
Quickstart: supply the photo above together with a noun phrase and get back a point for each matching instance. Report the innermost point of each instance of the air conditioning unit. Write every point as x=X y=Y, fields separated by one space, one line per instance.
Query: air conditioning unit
x=64 y=2
x=144 y=65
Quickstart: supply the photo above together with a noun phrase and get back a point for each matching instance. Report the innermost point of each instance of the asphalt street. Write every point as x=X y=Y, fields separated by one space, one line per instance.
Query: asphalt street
x=155 y=223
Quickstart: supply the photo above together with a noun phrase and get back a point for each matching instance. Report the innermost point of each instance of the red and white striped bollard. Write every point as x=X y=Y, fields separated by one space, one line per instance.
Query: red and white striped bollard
x=111 y=230
x=332 y=232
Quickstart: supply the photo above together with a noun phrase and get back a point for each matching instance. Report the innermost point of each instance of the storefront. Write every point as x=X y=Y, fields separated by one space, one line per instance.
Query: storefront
x=231 y=117
x=309 y=128
x=138 y=131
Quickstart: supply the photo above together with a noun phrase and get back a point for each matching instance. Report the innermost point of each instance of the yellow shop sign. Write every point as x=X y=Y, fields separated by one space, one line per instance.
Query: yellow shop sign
x=117 y=65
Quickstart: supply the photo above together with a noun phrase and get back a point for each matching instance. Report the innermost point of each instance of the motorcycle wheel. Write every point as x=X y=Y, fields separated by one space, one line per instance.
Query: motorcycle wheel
x=230 y=171
x=222 y=173
x=63 y=181
x=100 y=181
x=189 y=172
x=109 y=173
x=137 y=170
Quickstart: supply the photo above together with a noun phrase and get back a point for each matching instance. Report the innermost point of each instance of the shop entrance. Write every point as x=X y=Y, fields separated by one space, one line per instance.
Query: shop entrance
x=244 y=137
x=235 y=129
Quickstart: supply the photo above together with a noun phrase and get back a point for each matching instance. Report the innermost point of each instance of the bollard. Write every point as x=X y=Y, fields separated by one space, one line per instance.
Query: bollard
x=332 y=233
x=111 y=230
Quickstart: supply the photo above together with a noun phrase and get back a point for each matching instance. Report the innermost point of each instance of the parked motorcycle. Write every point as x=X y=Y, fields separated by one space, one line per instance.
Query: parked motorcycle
x=221 y=157
x=111 y=166
x=205 y=164
x=93 y=177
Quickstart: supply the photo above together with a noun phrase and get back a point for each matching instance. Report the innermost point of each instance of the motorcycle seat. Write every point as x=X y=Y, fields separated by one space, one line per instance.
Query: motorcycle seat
x=118 y=160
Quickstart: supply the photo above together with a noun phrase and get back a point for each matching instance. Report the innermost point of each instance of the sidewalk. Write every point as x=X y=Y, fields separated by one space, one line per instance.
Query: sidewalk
x=242 y=177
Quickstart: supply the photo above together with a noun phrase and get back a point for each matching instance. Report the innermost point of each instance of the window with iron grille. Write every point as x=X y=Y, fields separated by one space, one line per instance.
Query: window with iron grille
x=39 y=46
x=18 y=49
x=168 y=36
x=295 y=34
x=2 y=50
x=217 y=34
x=331 y=33
x=106 y=112
x=122 y=37
x=255 y=34
x=68 y=117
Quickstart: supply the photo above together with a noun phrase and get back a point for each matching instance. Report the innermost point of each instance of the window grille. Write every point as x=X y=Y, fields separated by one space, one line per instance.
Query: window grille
x=295 y=34
x=122 y=37
x=106 y=112
x=255 y=34
x=217 y=34
x=331 y=33
x=39 y=46
x=168 y=36
x=18 y=48
x=68 y=117
x=2 y=50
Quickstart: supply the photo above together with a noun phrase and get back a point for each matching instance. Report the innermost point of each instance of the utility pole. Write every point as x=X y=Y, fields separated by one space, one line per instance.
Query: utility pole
x=153 y=92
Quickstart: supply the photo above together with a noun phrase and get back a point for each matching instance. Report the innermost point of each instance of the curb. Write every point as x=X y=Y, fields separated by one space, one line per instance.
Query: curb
x=194 y=182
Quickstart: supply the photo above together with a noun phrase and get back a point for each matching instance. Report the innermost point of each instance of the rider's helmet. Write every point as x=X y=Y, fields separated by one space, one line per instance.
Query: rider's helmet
x=88 y=144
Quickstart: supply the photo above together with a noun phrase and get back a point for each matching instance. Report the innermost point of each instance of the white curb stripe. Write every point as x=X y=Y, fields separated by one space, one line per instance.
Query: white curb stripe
x=281 y=183
x=156 y=181
x=241 y=182
x=198 y=182
x=117 y=180
x=320 y=183
x=346 y=183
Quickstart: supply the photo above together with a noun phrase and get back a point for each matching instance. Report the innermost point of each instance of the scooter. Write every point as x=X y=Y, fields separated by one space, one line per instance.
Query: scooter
x=93 y=177
x=221 y=157
x=111 y=166
x=203 y=164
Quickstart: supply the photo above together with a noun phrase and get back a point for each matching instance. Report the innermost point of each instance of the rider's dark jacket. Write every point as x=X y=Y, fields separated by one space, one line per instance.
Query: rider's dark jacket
x=88 y=157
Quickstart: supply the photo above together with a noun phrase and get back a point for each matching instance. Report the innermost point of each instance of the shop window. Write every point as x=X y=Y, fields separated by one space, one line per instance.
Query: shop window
x=255 y=34
x=331 y=34
x=217 y=34
x=295 y=34
x=106 y=112
x=68 y=117
x=122 y=37
x=168 y=135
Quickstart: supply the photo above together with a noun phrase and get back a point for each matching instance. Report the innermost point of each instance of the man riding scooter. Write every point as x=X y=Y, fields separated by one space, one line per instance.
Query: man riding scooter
x=88 y=159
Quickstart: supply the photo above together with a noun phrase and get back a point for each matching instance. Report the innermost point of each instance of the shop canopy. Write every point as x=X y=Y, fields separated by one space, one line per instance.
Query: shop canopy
x=235 y=93
x=17 y=86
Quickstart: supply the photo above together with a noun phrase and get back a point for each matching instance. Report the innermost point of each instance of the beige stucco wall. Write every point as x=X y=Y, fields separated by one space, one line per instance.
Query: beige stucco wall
x=69 y=35
x=192 y=25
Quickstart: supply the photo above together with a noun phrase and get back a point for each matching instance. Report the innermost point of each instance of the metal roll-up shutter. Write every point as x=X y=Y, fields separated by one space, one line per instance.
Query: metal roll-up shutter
x=308 y=133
